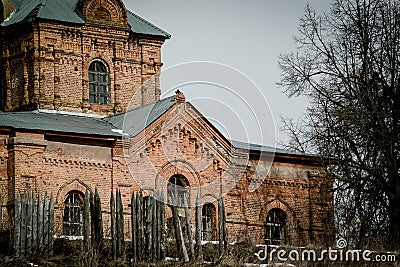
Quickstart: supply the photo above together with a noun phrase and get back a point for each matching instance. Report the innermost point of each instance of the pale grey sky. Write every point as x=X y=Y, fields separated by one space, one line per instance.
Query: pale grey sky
x=245 y=35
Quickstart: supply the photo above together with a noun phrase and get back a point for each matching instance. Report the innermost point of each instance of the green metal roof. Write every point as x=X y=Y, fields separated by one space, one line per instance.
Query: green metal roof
x=139 y=25
x=56 y=122
x=64 y=11
x=134 y=121
x=21 y=13
x=131 y=122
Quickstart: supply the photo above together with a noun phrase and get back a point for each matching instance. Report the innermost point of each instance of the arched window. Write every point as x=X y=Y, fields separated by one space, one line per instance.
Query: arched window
x=73 y=214
x=208 y=222
x=179 y=185
x=275 y=232
x=99 y=84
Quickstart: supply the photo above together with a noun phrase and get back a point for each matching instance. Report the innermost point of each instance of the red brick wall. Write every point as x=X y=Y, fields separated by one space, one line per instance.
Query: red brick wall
x=166 y=148
x=47 y=66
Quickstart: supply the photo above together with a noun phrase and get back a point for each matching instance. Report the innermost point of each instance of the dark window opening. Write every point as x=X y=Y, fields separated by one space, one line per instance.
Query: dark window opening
x=99 y=84
x=208 y=222
x=275 y=231
x=179 y=185
x=73 y=214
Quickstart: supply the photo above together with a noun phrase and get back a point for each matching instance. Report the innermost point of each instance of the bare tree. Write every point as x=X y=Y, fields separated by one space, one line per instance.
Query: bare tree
x=347 y=63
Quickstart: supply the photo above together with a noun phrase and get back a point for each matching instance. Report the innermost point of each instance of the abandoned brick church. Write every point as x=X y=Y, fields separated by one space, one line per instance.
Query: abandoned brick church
x=80 y=107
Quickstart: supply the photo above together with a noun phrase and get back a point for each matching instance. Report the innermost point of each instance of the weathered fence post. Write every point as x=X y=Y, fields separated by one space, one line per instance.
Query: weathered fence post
x=148 y=217
x=120 y=224
x=34 y=226
x=134 y=227
x=223 y=240
x=86 y=225
x=156 y=228
x=91 y=208
x=188 y=225
x=198 y=228
x=97 y=219
x=162 y=225
x=113 y=235
x=46 y=223
x=51 y=225
x=225 y=234
x=180 y=244
x=152 y=226
x=40 y=222
x=139 y=204
x=23 y=225
x=28 y=221
x=17 y=226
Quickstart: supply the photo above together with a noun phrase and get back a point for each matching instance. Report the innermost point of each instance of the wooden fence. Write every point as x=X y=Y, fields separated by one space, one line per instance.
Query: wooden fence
x=34 y=226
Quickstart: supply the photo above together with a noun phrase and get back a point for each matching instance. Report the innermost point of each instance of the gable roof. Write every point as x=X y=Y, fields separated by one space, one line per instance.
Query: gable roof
x=64 y=11
x=134 y=121
x=142 y=26
x=131 y=122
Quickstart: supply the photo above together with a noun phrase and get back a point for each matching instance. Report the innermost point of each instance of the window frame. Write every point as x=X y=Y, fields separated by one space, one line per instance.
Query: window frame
x=208 y=233
x=275 y=231
x=99 y=83
x=73 y=224
x=179 y=184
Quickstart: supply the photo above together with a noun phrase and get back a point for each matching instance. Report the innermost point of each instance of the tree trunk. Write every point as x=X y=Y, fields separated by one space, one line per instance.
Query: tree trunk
x=394 y=217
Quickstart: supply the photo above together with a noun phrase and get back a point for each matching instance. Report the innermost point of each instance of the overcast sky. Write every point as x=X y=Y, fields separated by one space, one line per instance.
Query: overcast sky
x=246 y=37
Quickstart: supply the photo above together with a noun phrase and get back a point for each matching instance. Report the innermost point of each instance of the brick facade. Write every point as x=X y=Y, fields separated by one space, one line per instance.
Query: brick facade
x=45 y=65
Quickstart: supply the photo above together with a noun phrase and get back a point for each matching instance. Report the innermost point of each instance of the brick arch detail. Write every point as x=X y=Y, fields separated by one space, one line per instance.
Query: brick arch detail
x=291 y=223
x=74 y=185
x=184 y=168
x=209 y=198
x=181 y=167
x=105 y=60
x=116 y=9
x=98 y=57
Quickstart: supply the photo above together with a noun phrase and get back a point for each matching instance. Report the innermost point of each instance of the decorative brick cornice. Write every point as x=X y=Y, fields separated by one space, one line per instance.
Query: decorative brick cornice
x=76 y=163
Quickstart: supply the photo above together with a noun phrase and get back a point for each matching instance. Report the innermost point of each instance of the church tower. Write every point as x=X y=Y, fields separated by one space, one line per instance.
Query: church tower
x=90 y=56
